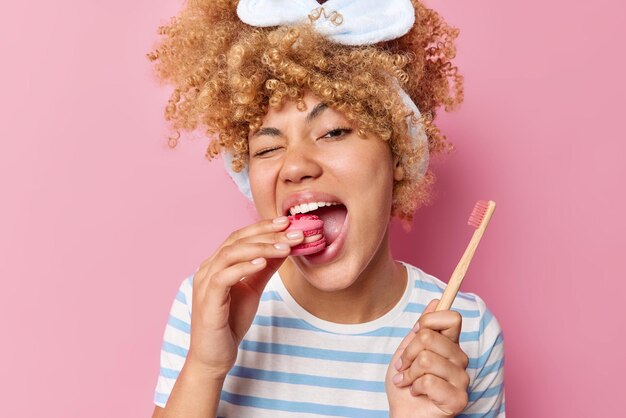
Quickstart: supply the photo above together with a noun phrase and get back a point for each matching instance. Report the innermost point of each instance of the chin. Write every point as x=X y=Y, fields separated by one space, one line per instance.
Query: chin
x=331 y=277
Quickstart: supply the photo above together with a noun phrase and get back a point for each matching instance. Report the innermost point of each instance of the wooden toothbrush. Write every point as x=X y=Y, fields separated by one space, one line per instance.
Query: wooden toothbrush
x=478 y=219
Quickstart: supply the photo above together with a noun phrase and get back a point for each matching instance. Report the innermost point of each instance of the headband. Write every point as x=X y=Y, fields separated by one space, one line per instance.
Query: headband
x=348 y=22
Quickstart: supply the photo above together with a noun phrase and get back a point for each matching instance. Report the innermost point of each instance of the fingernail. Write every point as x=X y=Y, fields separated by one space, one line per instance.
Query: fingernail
x=257 y=261
x=297 y=234
x=281 y=246
x=398 y=364
x=397 y=378
x=416 y=327
x=281 y=220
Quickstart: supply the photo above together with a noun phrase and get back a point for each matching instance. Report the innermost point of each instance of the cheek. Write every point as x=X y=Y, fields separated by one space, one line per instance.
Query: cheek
x=367 y=167
x=262 y=185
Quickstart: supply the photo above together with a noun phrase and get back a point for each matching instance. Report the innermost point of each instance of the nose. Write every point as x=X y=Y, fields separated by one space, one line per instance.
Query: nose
x=300 y=164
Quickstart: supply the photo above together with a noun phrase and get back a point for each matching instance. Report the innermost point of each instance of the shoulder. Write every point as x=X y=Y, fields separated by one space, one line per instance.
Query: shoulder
x=477 y=317
x=430 y=286
x=184 y=295
x=481 y=335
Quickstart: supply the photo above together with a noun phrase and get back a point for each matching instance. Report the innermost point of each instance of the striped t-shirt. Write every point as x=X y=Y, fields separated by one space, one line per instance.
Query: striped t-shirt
x=293 y=364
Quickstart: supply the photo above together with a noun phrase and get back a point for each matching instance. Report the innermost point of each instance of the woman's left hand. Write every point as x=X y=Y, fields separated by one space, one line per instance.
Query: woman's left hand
x=426 y=376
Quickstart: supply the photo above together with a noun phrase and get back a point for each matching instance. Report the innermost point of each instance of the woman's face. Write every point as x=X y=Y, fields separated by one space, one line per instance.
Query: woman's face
x=312 y=156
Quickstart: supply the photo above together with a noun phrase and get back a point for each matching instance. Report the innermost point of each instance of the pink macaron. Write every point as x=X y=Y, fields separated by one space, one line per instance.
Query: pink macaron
x=311 y=225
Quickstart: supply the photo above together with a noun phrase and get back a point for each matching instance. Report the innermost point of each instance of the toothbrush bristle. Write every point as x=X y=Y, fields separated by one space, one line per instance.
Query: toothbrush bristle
x=476 y=218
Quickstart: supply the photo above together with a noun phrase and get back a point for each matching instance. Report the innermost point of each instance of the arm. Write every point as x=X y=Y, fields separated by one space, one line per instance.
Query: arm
x=200 y=348
x=195 y=394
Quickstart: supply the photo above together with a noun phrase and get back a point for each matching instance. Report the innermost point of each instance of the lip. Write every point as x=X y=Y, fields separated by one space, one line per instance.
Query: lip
x=331 y=252
x=307 y=196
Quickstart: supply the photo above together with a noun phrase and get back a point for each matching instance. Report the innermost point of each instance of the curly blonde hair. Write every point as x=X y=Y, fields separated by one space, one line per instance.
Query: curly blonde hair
x=226 y=74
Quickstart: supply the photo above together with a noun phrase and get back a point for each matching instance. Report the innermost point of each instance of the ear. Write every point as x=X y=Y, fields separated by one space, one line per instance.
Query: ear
x=398 y=171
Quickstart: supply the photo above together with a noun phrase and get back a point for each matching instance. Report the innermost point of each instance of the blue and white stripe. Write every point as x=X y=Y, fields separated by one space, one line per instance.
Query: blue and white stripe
x=290 y=364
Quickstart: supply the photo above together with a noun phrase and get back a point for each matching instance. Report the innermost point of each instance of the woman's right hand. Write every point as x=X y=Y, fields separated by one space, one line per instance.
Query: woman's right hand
x=227 y=288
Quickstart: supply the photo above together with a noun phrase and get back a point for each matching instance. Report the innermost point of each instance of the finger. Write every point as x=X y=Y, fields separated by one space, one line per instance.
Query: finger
x=258 y=228
x=293 y=237
x=432 y=305
x=216 y=290
x=240 y=250
x=428 y=339
x=451 y=400
x=402 y=346
x=398 y=363
x=234 y=254
x=428 y=362
x=395 y=359
x=258 y=281
x=447 y=322
x=230 y=276
x=262 y=227
x=429 y=308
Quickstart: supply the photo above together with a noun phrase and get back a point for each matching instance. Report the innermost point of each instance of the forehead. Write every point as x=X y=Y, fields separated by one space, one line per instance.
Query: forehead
x=290 y=111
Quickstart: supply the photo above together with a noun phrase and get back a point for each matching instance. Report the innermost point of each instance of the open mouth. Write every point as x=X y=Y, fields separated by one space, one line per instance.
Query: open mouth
x=333 y=214
x=333 y=217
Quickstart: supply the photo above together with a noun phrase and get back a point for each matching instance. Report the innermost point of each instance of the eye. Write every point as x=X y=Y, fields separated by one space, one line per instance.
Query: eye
x=264 y=151
x=337 y=132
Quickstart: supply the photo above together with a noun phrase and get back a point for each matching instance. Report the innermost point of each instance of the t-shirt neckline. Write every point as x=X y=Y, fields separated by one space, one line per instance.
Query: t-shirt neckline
x=386 y=320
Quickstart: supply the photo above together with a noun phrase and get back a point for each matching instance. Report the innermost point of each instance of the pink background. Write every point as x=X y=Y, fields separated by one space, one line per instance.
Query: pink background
x=100 y=221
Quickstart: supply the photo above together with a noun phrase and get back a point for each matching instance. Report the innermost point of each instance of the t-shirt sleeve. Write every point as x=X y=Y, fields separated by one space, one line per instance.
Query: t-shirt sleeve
x=175 y=342
x=486 y=390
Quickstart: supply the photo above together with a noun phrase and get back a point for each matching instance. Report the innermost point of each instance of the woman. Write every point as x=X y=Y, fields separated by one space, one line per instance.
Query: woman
x=320 y=117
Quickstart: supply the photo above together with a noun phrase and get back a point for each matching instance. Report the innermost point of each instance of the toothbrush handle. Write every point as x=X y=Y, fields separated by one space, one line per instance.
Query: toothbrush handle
x=459 y=273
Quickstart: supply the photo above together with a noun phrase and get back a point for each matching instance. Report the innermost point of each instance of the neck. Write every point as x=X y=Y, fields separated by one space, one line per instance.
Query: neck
x=375 y=291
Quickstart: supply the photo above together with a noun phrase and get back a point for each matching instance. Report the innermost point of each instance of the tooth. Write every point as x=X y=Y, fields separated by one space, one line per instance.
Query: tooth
x=312 y=238
x=292 y=210
x=312 y=206
x=321 y=204
x=304 y=208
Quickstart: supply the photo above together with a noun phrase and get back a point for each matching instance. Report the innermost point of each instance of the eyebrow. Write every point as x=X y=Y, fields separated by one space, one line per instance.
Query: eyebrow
x=315 y=112
x=267 y=131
